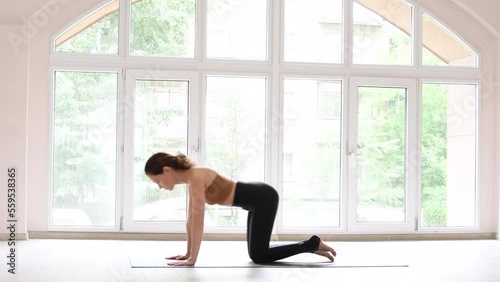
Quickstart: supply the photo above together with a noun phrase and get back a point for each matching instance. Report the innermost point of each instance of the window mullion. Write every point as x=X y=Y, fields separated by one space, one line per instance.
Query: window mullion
x=417 y=37
x=348 y=33
x=120 y=149
x=200 y=31
x=124 y=29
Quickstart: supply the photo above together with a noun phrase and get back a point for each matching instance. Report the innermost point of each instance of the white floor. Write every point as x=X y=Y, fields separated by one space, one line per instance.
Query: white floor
x=102 y=260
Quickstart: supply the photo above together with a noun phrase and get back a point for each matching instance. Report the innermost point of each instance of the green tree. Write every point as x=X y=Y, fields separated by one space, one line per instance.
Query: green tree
x=161 y=27
x=381 y=139
x=155 y=118
x=100 y=38
x=434 y=154
x=158 y=27
x=78 y=168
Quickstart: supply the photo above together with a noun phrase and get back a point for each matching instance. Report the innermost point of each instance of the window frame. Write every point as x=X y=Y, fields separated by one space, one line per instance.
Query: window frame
x=129 y=224
x=421 y=13
x=410 y=150
x=269 y=141
x=343 y=173
x=478 y=153
x=275 y=69
x=119 y=144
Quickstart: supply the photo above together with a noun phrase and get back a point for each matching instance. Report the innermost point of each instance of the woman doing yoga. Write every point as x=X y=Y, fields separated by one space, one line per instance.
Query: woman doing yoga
x=206 y=186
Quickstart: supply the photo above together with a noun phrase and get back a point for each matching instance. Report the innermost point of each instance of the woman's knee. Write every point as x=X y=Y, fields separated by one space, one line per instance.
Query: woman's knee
x=258 y=257
x=272 y=194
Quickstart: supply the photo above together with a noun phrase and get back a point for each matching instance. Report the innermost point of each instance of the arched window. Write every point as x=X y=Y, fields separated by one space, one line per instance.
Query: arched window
x=95 y=33
x=325 y=100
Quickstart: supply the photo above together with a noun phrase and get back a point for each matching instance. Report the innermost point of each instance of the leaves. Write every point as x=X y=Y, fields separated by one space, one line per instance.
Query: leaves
x=82 y=103
x=161 y=27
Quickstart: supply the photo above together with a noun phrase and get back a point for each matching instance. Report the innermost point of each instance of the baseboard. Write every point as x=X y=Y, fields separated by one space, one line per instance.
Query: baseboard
x=18 y=236
x=242 y=237
x=399 y=237
x=130 y=236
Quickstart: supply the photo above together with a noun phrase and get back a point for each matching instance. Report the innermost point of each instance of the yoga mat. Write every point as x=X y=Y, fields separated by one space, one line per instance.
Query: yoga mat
x=161 y=262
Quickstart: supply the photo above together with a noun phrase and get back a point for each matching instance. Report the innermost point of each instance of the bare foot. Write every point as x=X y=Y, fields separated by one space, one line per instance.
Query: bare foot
x=326 y=251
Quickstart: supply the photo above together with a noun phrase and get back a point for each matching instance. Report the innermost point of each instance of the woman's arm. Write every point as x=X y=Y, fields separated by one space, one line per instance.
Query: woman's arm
x=197 y=217
x=195 y=223
x=188 y=233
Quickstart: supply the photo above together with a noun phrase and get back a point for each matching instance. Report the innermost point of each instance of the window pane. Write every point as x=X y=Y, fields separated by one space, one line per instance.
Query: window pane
x=311 y=153
x=163 y=28
x=381 y=189
x=237 y=29
x=429 y=58
x=84 y=149
x=313 y=31
x=447 y=49
x=96 y=33
x=382 y=35
x=448 y=155
x=160 y=125
x=235 y=136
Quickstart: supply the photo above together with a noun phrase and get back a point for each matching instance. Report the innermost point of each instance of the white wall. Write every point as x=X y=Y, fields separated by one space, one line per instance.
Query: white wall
x=485 y=11
x=13 y=111
x=497 y=149
x=30 y=149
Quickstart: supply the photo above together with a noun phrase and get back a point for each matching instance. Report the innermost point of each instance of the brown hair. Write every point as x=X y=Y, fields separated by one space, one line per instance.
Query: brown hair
x=156 y=162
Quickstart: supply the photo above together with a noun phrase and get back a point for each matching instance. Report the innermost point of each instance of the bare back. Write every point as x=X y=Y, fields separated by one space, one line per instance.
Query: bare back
x=218 y=188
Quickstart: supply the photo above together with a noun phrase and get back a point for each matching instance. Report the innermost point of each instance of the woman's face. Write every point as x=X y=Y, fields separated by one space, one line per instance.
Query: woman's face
x=164 y=180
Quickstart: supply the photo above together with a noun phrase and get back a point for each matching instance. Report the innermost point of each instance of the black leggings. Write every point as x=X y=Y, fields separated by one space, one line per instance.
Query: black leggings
x=261 y=202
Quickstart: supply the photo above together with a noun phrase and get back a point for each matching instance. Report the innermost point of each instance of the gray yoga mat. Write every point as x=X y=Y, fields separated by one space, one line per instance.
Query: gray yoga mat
x=160 y=262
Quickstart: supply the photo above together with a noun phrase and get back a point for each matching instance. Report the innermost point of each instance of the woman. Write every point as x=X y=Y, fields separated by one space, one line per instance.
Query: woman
x=208 y=186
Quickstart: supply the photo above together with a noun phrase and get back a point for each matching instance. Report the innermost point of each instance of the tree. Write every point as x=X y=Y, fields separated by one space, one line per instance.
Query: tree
x=161 y=27
x=434 y=154
x=78 y=168
x=100 y=38
x=381 y=141
x=82 y=101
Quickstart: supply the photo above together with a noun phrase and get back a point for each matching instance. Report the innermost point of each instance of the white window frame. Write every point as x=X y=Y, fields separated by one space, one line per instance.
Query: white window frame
x=269 y=140
x=410 y=150
x=129 y=225
x=275 y=70
x=343 y=157
x=119 y=155
x=477 y=183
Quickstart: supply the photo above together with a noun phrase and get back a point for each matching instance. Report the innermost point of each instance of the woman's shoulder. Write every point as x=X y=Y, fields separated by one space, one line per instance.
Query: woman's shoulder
x=204 y=173
x=204 y=170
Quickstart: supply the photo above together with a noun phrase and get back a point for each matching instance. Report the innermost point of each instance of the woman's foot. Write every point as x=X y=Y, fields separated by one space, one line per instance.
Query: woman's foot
x=326 y=251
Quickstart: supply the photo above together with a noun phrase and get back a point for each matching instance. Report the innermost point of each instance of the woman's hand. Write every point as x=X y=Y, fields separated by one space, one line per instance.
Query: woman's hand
x=187 y=262
x=179 y=257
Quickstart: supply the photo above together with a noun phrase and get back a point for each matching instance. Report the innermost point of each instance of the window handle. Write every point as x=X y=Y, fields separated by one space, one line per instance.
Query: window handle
x=350 y=151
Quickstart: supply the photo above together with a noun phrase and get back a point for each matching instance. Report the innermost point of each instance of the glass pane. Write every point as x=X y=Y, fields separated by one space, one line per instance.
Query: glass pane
x=237 y=29
x=313 y=31
x=160 y=125
x=381 y=154
x=96 y=33
x=235 y=136
x=447 y=49
x=429 y=58
x=84 y=149
x=311 y=153
x=163 y=28
x=382 y=34
x=448 y=155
